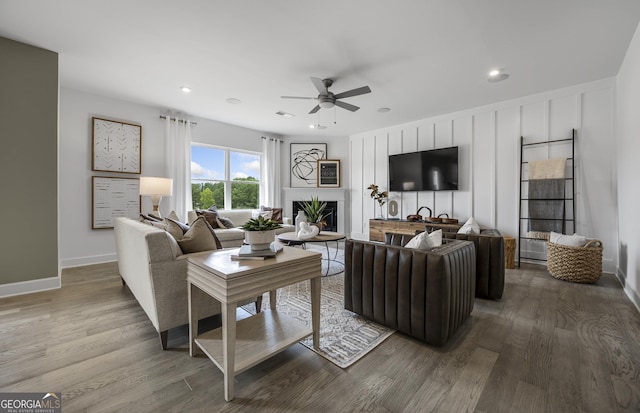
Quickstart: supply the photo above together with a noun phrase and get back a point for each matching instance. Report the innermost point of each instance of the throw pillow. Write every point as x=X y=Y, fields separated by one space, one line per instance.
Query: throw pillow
x=199 y=237
x=226 y=222
x=157 y=224
x=176 y=228
x=210 y=216
x=470 y=227
x=149 y=217
x=174 y=216
x=276 y=213
x=425 y=241
x=213 y=208
x=574 y=240
x=264 y=214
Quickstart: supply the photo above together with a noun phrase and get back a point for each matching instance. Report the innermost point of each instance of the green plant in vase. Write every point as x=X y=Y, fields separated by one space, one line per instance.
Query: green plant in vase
x=260 y=224
x=260 y=232
x=314 y=210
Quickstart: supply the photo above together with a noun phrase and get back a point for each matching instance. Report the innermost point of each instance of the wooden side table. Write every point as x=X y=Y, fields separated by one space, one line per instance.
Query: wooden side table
x=509 y=252
x=237 y=346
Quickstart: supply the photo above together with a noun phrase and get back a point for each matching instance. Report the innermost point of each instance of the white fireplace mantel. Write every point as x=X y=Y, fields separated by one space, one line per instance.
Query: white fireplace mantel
x=339 y=195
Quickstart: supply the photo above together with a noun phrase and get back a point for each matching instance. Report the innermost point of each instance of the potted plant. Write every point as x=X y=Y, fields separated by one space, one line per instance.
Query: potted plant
x=260 y=233
x=314 y=210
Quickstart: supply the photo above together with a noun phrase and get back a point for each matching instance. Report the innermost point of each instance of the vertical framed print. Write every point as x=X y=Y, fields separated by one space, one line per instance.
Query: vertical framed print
x=304 y=163
x=117 y=146
x=329 y=173
x=113 y=197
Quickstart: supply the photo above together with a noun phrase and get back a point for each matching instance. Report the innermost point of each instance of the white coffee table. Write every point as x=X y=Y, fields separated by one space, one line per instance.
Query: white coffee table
x=237 y=346
x=291 y=239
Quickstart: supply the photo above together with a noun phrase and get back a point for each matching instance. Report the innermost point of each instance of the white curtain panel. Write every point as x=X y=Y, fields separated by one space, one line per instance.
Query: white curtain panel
x=178 y=164
x=270 y=181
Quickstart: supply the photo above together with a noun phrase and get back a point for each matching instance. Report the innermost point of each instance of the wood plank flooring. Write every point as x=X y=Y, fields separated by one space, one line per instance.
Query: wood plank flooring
x=548 y=346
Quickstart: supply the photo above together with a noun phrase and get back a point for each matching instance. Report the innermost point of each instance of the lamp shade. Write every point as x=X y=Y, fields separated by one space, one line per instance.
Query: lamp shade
x=151 y=185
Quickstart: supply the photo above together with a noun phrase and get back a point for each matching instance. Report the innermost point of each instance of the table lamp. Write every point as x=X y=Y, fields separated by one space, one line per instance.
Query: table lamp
x=156 y=188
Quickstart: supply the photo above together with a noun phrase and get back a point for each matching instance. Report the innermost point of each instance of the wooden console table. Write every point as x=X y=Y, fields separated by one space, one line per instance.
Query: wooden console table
x=237 y=346
x=377 y=227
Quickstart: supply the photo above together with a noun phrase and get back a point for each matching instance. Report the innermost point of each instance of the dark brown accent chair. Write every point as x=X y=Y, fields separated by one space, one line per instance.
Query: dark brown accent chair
x=489 y=246
x=426 y=294
x=489 y=261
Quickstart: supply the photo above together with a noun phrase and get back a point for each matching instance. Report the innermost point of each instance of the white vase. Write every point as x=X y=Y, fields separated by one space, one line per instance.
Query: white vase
x=260 y=240
x=301 y=217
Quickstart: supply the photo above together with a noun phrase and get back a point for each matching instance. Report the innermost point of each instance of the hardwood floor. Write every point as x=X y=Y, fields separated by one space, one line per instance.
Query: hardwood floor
x=548 y=346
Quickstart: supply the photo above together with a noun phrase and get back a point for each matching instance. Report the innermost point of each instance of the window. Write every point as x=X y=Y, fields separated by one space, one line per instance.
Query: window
x=223 y=177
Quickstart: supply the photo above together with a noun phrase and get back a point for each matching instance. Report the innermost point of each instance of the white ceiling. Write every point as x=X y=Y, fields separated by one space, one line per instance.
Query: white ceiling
x=420 y=57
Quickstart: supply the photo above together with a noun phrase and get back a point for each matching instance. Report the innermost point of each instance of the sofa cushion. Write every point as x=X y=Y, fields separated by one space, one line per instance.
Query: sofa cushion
x=210 y=216
x=199 y=237
x=276 y=213
x=229 y=234
x=175 y=228
x=425 y=241
x=263 y=214
x=470 y=227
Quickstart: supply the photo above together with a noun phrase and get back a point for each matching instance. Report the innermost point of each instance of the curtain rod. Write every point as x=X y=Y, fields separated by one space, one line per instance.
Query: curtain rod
x=173 y=119
x=272 y=139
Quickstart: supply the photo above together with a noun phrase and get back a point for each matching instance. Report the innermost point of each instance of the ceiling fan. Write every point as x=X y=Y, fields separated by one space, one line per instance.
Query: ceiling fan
x=327 y=100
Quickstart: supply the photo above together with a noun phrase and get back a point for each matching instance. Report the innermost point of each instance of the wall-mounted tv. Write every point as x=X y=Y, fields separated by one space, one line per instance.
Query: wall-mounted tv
x=433 y=170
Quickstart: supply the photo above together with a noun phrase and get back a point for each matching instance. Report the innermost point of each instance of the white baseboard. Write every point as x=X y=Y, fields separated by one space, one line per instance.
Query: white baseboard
x=633 y=295
x=28 y=287
x=93 y=259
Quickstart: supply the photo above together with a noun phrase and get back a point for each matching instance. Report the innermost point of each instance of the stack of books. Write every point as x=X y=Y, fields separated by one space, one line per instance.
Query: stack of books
x=246 y=253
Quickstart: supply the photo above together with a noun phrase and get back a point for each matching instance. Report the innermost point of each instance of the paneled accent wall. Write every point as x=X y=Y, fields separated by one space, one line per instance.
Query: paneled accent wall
x=488 y=138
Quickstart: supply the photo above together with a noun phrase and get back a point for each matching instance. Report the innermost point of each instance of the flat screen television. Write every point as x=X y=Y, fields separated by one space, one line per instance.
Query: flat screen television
x=433 y=170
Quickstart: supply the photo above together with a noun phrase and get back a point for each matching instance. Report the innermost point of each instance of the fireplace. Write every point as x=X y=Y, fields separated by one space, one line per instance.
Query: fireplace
x=331 y=221
x=338 y=196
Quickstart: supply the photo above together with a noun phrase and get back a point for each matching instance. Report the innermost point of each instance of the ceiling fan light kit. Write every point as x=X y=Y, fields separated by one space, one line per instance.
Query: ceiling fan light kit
x=327 y=100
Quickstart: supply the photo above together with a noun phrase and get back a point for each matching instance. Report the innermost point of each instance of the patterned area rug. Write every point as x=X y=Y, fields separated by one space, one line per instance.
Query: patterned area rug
x=345 y=337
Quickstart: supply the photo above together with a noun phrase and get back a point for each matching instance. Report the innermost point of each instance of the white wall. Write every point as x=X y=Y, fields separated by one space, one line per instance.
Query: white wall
x=79 y=244
x=628 y=164
x=488 y=138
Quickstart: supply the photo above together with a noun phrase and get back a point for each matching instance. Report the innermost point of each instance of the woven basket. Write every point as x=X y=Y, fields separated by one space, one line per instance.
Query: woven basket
x=575 y=264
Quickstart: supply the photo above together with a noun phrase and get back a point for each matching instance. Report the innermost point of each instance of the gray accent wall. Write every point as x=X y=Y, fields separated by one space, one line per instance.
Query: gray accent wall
x=28 y=162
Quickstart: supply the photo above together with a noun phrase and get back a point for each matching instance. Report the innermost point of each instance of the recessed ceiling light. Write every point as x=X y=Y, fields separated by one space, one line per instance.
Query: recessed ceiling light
x=233 y=101
x=498 y=78
x=317 y=127
x=497 y=75
x=285 y=114
x=384 y=110
x=185 y=89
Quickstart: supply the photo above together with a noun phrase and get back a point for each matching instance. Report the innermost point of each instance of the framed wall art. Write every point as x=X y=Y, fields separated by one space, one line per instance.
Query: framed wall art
x=113 y=197
x=117 y=146
x=329 y=173
x=304 y=163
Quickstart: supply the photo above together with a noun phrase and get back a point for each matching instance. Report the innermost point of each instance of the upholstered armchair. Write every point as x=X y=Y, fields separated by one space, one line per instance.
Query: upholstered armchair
x=426 y=294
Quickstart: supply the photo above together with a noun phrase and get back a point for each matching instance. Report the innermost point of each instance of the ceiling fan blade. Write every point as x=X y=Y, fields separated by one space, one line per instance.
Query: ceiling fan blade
x=296 y=97
x=319 y=84
x=353 y=92
x=347 y=106
x=314 y=110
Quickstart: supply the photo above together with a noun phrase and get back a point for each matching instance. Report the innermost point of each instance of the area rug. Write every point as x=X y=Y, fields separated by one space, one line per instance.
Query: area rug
x=345 y=337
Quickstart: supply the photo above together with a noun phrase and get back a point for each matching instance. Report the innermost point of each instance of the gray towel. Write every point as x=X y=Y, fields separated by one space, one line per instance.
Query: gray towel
x=546 y=200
